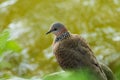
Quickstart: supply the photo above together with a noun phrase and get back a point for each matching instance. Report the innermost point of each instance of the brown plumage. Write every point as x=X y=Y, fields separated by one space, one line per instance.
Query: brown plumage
x=72 y=52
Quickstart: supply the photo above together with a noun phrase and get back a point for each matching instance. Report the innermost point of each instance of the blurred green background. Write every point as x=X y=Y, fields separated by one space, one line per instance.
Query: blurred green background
x=25 y=50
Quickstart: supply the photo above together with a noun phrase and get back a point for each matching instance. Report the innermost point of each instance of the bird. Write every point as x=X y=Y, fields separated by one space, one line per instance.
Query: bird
x=74 y=53
x=108 y=72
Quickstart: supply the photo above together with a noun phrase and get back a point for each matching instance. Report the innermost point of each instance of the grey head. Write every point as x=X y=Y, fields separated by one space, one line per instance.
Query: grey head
x=57 y=29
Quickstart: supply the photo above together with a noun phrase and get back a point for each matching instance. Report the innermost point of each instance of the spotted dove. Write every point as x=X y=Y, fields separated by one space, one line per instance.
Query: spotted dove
x=72 y=51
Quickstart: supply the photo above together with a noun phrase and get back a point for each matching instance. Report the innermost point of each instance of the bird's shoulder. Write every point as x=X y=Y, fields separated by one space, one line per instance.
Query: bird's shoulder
x=73 y=41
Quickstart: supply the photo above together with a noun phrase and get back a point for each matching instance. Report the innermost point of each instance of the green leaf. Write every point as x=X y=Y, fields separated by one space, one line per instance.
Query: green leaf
x=6 y=44
x=3 y=40
x=12 y=45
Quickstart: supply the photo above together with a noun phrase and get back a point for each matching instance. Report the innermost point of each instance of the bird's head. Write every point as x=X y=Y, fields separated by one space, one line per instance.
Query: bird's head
x=57 y=29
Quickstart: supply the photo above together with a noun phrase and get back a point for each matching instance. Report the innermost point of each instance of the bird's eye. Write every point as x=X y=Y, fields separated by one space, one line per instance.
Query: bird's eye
x=55 y=29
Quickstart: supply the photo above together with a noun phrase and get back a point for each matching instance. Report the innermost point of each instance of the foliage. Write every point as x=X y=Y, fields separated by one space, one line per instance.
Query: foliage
x=6 y=44
x=7 y=47
x=80 y=75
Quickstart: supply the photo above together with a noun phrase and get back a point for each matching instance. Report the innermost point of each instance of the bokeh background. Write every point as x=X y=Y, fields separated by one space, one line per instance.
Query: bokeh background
x=25 y=50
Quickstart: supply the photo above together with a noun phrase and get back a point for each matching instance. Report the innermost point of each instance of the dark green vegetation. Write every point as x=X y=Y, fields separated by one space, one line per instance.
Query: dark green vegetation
x=25 y=50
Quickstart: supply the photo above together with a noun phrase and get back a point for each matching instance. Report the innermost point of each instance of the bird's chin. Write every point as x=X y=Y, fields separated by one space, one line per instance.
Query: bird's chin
x=55 y=33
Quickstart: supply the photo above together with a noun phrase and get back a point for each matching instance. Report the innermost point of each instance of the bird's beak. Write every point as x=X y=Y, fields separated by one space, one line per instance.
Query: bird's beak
x=49 y=31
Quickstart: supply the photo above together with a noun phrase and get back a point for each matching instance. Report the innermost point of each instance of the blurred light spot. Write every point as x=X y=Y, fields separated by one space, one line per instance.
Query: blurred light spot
x=17 y=29
x=4 y=5
x=75 y=1
x=70 y=3
x=7 y=3
x=116 y=1
x=89 y=3
x=118 y=9
x=116 y=38
x=112 y=57
x=48 y=53
x=24 y=66
x=100 y=57
x=24 y=53
x=84 y=35
x=108 y=30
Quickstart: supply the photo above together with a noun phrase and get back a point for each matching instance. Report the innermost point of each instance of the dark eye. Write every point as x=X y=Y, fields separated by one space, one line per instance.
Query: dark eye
x=55 y=29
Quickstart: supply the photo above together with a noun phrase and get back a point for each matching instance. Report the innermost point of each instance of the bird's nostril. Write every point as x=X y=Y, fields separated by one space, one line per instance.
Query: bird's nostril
x=55 y=29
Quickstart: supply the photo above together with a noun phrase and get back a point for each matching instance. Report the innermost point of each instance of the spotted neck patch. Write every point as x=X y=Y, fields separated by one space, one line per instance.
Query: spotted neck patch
x=62 y=36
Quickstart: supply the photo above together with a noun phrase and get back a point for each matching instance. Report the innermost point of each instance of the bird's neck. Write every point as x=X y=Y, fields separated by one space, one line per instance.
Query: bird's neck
x=62 y=36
